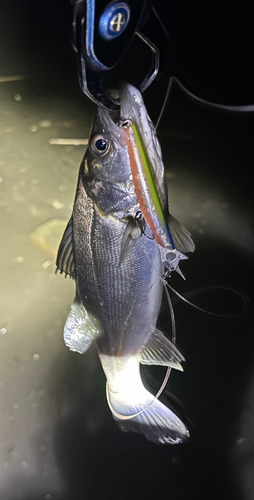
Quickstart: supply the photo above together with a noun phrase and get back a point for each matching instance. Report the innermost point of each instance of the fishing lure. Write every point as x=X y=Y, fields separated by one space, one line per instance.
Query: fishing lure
x=149 y=200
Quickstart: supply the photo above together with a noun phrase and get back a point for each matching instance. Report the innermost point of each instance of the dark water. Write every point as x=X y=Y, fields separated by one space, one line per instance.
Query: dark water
x=57 y=436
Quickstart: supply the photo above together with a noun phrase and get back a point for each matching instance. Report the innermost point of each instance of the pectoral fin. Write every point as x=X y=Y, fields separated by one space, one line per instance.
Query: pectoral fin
x=65 y=256
x=181 y=237
x=131 y=234
x=80 y=330
x=160 y=351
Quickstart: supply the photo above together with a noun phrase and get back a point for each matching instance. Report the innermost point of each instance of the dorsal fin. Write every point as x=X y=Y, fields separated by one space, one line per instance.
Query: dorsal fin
x=65 y=256
x=160 y=351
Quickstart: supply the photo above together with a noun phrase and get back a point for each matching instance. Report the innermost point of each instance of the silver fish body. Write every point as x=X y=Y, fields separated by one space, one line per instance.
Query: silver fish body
x=118 y=302
x=125 y=299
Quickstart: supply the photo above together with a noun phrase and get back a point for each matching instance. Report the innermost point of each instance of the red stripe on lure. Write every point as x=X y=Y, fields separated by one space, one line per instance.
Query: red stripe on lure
x=145 y=189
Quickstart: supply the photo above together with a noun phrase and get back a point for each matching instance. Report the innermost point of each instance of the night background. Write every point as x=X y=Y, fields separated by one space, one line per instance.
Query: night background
x=57 y=436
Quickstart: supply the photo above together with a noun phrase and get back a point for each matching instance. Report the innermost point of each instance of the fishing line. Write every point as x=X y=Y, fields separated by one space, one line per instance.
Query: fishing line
x=248 y=108
x=204 y=289
x=167 y=374
x=170 y=83
x=128 y=417
x=172 y=315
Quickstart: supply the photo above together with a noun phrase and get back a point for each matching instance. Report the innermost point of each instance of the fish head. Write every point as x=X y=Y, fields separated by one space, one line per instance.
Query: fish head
x=107 y=157
x=106 y=171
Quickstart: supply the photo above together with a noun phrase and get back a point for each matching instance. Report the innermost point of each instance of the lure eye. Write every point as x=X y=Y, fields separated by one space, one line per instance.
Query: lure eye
x=100 y=145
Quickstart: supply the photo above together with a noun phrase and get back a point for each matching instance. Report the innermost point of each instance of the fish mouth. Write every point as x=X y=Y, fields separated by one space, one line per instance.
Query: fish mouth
x=133 y=110
x=131 y=102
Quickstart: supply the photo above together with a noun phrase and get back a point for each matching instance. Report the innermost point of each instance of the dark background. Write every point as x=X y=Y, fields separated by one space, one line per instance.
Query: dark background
x=212 y=55
x=211 y=43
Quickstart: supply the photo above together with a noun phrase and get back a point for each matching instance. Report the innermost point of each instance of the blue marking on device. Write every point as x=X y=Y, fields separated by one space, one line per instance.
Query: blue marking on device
x=114 y=20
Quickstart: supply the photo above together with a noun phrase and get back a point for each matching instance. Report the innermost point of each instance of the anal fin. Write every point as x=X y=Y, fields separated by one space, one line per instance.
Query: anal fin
x=181 y=237
x=160 y=351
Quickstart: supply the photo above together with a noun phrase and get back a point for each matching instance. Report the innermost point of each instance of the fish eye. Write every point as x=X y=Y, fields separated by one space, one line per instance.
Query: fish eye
x=100 y=145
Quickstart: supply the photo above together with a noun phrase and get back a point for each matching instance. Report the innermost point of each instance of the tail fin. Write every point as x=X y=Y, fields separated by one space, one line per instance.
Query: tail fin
x=135 y=409
x=157 y=422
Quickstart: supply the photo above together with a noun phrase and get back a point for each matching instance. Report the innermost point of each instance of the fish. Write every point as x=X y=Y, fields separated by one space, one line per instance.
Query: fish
x=110 y=251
